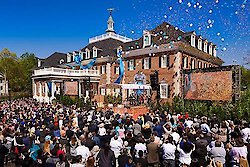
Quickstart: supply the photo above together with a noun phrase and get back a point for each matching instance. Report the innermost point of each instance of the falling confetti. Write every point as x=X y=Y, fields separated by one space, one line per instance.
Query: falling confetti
x=210 y=11
x=191 y=25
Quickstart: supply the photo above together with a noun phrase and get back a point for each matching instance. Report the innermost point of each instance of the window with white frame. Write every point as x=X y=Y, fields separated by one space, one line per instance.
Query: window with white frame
x=131 y=65
x=61 y=61
x=205 y=46
x=164 y=90
x=103 y=91
x=87 y=53
x=211 y=49
x=185 y=62
x=215 y=51
x=200 y=44
x=103 y=69
x=193 y=40
x=192 y=64
x=68 y=57
x=81 y=54
x=146 y=40
x=94 y=52
x=117 y=70
x=205 y=65
x=199 y=64
x=146 y=63
x=164 y=61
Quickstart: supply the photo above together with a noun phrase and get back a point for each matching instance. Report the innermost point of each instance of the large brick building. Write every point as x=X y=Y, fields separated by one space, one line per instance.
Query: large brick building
x=165 y=48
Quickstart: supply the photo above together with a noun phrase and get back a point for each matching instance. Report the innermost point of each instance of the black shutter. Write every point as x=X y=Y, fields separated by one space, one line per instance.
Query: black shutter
x=149 y=61
x=128 y=65
x=169 y=91
x=183 y=62
x=160 y=61
x=114 y=69
x=134 y=64
x=167 y=63
x=101 y=69
x=142 y=63
x=105 y=69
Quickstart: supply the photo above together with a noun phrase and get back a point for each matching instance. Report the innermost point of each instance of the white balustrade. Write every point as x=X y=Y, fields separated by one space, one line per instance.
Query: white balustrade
x=109 y=35
x=66 y=72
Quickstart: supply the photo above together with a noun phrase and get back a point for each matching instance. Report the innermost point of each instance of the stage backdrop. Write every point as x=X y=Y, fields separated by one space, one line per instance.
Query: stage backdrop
x=71 y=88
x=215 y=85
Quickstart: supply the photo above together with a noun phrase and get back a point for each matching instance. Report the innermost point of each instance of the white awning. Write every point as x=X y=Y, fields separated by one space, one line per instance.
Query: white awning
x=135 y=86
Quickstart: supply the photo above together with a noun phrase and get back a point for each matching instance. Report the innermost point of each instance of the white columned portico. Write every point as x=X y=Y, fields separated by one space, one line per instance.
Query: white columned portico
x=40 y=89
x=52 y=90
x=46 y=89
x=34 y=88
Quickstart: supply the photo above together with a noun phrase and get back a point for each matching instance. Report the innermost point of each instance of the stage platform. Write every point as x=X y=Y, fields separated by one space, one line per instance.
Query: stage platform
x=134 y=111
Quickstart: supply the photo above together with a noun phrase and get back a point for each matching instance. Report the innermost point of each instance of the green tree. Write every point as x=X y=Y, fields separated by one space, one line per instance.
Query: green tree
x=6 y=53
x=245 y=78
x=27 y=63
x=18 y=71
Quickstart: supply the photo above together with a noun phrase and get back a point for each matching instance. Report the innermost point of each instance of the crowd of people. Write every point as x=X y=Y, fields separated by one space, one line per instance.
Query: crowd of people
x=51 y=135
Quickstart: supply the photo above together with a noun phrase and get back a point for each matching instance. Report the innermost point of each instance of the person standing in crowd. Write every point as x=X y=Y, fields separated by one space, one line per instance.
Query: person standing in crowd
x=106 y=157
x=169 y=150
x=41 y=134
x=3 y=153
x=153 y=153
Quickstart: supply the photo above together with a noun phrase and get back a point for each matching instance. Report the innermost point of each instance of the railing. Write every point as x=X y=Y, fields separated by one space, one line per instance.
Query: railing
x=65 y=72
x=107 y=35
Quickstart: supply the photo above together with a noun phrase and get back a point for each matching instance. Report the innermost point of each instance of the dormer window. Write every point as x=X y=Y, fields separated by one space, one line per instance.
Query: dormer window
x=39 y=63
x=81 y=54
x=119 y=50
x=87 y=51
x=69 y=56
x=94 y=52
x=211 y=49
x=146 y=39
x=61 y=61
x=200 y=44
x=205 y=46
x=193 y=40
x=215 y=51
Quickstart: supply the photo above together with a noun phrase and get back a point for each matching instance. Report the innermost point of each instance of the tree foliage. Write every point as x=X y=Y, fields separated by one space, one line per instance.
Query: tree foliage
x=18 y=70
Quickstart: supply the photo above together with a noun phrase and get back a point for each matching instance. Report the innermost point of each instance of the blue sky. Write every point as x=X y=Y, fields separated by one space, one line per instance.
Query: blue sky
x=45 y=26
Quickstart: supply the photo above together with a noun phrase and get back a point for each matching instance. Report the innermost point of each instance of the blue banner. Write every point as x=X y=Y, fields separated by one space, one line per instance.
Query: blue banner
x=49 y=87
x=121 y=70
x=89 y=65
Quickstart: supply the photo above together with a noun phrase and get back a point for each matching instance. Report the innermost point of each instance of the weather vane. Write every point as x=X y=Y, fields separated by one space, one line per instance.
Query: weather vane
x=110 y=10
